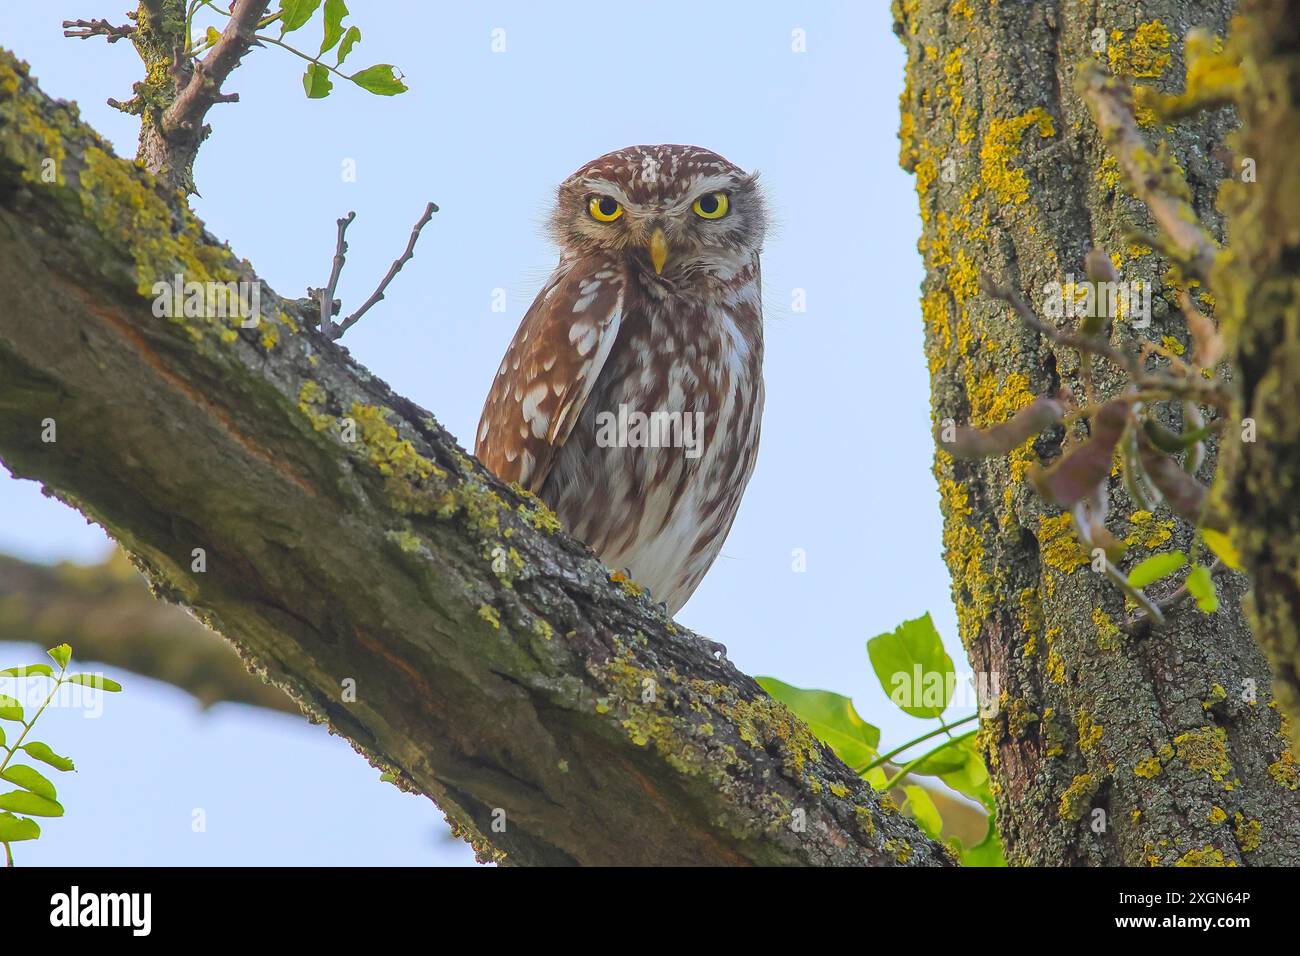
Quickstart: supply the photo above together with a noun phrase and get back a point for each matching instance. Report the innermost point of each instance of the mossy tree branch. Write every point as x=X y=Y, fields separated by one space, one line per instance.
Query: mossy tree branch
x=359 y=559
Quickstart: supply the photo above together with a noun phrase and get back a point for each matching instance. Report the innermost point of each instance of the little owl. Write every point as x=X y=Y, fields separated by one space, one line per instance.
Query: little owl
x=629 y=400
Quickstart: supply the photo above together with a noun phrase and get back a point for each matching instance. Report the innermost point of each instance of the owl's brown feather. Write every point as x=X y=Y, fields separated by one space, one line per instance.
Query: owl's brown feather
x=554 y=360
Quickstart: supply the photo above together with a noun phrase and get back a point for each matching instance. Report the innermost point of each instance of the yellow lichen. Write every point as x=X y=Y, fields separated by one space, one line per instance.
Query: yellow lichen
x=1206 y=750
x=1078 y=796
x=1009 y=184
x=1059 y=547
x=489 y=614
x=1148 y=768
x=1247 y=831
x=1146 y=55
x=1146 y=532
x=1284 y=772
x=1204 y=856
x=1090 y=732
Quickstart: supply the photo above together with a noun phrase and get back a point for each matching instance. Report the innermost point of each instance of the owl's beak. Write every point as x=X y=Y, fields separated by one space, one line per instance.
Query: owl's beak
x=658 y=250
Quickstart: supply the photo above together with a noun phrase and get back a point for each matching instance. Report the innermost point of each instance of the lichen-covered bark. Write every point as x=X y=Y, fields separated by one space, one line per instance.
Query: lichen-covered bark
x=1106 y=749
x=361 y=561
x=1260 y=283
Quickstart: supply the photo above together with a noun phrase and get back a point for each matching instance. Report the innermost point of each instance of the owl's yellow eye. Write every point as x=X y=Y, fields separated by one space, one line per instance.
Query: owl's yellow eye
x=712 y=206
x=604 y=208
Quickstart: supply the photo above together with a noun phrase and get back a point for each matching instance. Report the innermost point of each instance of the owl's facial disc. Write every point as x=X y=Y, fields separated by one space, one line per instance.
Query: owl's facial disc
x=675 y=212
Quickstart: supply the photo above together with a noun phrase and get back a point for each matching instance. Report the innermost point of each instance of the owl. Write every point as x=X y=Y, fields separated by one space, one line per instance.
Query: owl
x=631 y=396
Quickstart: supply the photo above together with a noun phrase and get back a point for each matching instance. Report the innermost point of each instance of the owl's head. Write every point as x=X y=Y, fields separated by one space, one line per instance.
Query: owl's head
x=675 y=211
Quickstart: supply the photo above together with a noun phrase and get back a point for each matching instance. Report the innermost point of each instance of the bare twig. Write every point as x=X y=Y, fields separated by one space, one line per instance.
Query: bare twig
x=85 y=29
x=395 y=268
x=327 y=293
x=1166 y=196
x=1083 y=343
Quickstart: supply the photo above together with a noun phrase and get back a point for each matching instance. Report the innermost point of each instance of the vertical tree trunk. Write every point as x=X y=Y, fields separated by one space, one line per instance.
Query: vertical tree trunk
x=1261 y=282
x=1106 y=749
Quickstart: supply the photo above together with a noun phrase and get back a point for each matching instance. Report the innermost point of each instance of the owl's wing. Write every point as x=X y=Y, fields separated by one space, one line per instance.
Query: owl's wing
x=549 y=370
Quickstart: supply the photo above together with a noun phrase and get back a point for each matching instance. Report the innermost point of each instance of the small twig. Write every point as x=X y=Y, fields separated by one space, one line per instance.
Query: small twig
x=85 y=29
x=1083 y=343
x=327 y=294
x=395 y=268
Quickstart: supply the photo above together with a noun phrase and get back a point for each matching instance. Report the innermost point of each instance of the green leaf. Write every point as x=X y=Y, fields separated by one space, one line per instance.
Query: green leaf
x=60 y=654
x=972 y=779
x=335 y=11
x=988 y=852
x=44 y=754
x=350 y=39
x=294 y=13
x=316 y=81
x=29 y=779
x=98 y=681
x=31 y=670
x=24 y=801
x=379 y=79
x=10 y=708
x=1222 y=546
x=1200 y=585
x=16 y=829
x=923 y=809
x=831 y=718
x=2 y=736
x=948 y=760
x=1156 y=567
x=913 y=668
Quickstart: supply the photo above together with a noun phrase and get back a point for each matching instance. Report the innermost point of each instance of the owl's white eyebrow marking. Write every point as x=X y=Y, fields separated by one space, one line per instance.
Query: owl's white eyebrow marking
x=700 y=185
x=607 y=188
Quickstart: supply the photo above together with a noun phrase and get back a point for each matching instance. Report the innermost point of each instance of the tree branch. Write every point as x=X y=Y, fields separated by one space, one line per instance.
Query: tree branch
x=107 y=614
x=183 y=120
x=395 y=268
x=85 y=29
x=361 y=560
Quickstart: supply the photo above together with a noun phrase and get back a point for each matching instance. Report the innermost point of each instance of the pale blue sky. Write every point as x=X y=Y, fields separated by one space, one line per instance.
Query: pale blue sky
x=844 y=471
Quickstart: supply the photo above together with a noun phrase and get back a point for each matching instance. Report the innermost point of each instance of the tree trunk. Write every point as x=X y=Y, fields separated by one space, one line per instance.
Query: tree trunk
x=1261 y=286
x=1106 y=749
x=358 y=558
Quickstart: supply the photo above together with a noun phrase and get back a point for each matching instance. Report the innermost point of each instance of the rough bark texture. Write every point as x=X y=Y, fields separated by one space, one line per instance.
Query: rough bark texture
x=432 y=616
x=1107 y=749
x=1261 y=309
